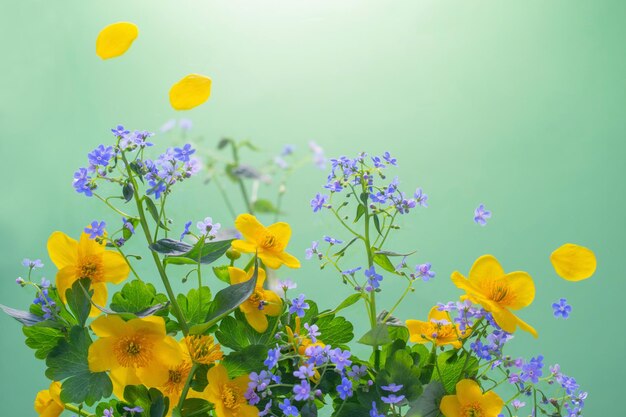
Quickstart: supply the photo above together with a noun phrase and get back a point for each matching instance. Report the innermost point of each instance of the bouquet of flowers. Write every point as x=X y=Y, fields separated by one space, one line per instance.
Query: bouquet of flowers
x=242 y=343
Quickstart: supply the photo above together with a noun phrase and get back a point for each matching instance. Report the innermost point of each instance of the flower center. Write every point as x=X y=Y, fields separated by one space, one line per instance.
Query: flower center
x=177 y=378
x=472 y=410
x=90 y=267
x=269 y=242
x=256 y=299
x=499 y=292
x=203 y=349
x=133 y=351
x=231 y=396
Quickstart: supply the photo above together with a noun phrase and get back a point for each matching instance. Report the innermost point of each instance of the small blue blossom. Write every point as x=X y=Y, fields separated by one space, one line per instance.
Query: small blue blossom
x=532 y=370
x=392 y=398
x=186 y=230
x=128 y=225
x=298 y=305
x=332 y=241
x=82 y=182
x=374 y=411
x=318 y=202
x=183 y=154
x=345 y=388
x=108 y=412
x=562 y=309
x=373 y=279
x=357 y=371
x=288 y=409
x=304 y=371
x=266 y=410
x=313 y=331
x=157 y=188
x=389 y=159
x=273 y=356
x=95 y=229
x=32 y=264
x=392 y=387
x=423 y=271
x=286 y=284
x=352 y=271
x=421 y=198
x=133 y=410
x=481 y=215
x=208 y=228
x=309 y=252
x=302 y=391
x=341 y=358
x=288 y=150
x=119 y=131
x=334 y=187
x=101 y=155
x=377 y=162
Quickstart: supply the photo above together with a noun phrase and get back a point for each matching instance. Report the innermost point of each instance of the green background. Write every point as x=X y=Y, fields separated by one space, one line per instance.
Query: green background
x=518 y=105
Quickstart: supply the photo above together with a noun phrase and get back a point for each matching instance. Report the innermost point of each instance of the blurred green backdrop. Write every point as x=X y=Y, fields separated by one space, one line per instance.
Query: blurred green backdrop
x=518 y=105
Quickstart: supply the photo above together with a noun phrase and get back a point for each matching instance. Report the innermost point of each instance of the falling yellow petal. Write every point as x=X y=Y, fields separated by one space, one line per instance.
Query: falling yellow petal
x=115 y=39
x=189 y=92
x=573 y=262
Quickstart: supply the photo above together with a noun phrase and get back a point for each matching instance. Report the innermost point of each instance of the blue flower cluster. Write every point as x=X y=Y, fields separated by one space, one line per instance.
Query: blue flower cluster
x=48 y=305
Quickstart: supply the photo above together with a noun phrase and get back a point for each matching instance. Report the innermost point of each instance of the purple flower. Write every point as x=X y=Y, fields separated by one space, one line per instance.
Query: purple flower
x=288 y=409
x=561 y=309
x=286 y=284
x=317 y=355
x=340 y=358
x=100 y=155
x=421 y=198
x=81 y=182
x=357 y=371
x=373 y=279
x=481 y=215
x=334 y=186
x=183 y=154
x=345 y=388
x=266 y=410
x=128 y=225
x=32 y=264
x=318 y=202
x=302 y=391
x=392 y=398
x=389 y=159
x=309 y=252
x=95 y=229
x=423 y=271
x=108 y=412
x=392 y=387
x=133 y=410
x=298 y=305
x=532 y=370
x=186 y=230
x=208 y=228
x=313 y=331
x=377 y=162
x=374 y=411
x=139 y=138
x=333 y=241
x=273 y=356
x=304 y=371
x=120 y=131
x=517 y=404
x=157 y=188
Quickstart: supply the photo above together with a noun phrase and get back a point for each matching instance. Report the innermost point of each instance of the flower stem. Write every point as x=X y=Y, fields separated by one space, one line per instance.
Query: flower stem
x=79 y=411
x=183 y=394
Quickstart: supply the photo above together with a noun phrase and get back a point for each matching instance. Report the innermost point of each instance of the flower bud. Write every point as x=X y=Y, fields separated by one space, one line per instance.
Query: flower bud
x=232 y=254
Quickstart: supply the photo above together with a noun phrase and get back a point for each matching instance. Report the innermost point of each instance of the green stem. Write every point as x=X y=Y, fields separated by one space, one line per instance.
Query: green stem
x=372 y=298
x=119 y=249
x=242 y=187
x=345 y=225
x=225 y=196
x=183 y=394
x=112 y=207
x=157 y=261
x=404 y=294
x=79 y=411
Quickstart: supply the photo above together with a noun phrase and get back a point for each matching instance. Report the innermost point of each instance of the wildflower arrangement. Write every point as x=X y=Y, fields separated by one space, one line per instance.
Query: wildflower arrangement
x=119 y=343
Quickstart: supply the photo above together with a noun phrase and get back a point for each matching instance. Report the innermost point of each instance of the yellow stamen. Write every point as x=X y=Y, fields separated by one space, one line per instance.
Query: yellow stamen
x=231 y=396
x=90 y=267
x=133 y=351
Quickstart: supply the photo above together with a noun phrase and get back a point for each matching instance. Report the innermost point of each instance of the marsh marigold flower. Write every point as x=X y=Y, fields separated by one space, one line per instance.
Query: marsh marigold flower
x=203 y=349
x=438 y=329
x=191 y=91
x=48 y=401
x=226 y=395
x=268 y=242
x=86 y=259
x=134 y=352
x=573 y=262
x=498 y=292
x=470 y=401
x=115 y=39
x=261 y=303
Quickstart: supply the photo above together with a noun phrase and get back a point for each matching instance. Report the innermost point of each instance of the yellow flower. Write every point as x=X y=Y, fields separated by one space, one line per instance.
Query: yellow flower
x=191 y=91
x=470 y=401
x=115 y=39
x=261 y=303
x=268 y=242
x=203 y=349
x=297 y=340
x=134 y=352
x=85 y=259
x=498 y=292
x=48 y=402
x=226 y=395
x=438 y=329
x=573 y=262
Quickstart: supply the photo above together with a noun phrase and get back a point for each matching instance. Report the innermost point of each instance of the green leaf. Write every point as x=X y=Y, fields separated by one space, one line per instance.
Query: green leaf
x=151 y=400
x=79 y=300
x=427 y=405
x=350 y=300
x=170 y=247
x=226 y=301
x=223 y=143
x=264 y=206
x=208 y=252
x=401 y=369
x=309 y=409
x=454 y=367
x=68 y=361
x=195 y=306
x=180 y=253
x=350 y=410
x=136 y=297
x=128 y=191
x=360 y=211
x=378 y=336
x=24 y=317
x=335 y=330
x=42 y=339
x=249 y=359
x=377 y=224
x=383 y=261
x=390 y=253
x=196 y=407
x=232 y=333
x=221 y=272
x=343 y=250
x=154 y=212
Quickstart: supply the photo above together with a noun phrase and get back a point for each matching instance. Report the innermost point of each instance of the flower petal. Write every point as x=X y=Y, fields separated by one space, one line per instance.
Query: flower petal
x=468 y=391
x=491 y=403
x=244 y=246
x=485 y=269
x=190 y=91
x=100 y=356
x=282 y=232
x=107 y=326
x=65 y=279
x=115 y=268
x=450 y=406
x=250 y=228
x=62 y=249
x=115 y=39
x=88 y=247
x=257 y=320
x=121 y=377
x=99 y=297
x=274 y=303
x=151 y=325
x=289 y=260
x=521 y=288
x=237 y=275
x=573 y=262
x=416 y=331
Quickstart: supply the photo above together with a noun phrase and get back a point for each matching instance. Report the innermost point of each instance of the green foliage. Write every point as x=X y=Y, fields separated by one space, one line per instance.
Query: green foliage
x=403 y=368
x=350 y=409
x=196 y=407
x=42 y=339
x=249 y=359
x=195 y=306
x=79 y=300
x=427 y=405
x=264 y=206
x=181 y=253
x=334 y=330
x=136 y=297
x=152 y=401
x=221 y=272
x=236 y=333
x=383 y=261
x=68 y=361
x=453 y=367
x=154 y=212
x=378 y=336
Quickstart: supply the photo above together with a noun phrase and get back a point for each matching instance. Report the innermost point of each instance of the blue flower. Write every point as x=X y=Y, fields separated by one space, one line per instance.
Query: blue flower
x=288 y=409
x=377 y=162
x=266 y=410
x=28 y=263
x=318 y=202
x=128 y=225
x=82 y=181
x=100 y=155
x=108 y=412
x=357 y=371
x=186 y=230
x=423 y=271
x=393 y=387
x=288 y=150
x=207 y=227
x=334 y=186
x=421 y=198
x=95 y=229
x=374 y=411
x=392 y=398
x=313 y=331
x=333 y=241
x=133 y=410
x=308 y=253
x=183 y=154
x=389 y=159
x=562 y=309
x=373 y=279
x=481 y=215
x=304 y=371
x=273 y=356
x=341 y=358
x=157 y=188
x=532 y=370
x=298 y=305
x=302 y=391
x=352 y=271
x=139 y=138
x=120 y=131
x=345 y=388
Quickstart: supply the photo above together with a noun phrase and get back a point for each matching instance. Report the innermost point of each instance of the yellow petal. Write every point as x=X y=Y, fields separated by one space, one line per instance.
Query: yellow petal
x=436 y=314
x=416 y=331
x=509 y=322
x=282 y=233
x=237 y=275
x=62 y=249
x=55 y=392
x=88 y=246
x=485 y=269
x=149 y=326
x=491 y=404
x=274 y=303
x=246 y=410
x=257 y=320
x=521 y=287
x=468 y=391
x=217 y=376
x=168 y=352
x=115 y=39
x=65 y=279
x=153 y=375
x=244 y=246
x=250 y=227
x=115 y=268
x=121 y=377
x=289 y=260
x=189 y=92
x=573 y=262
x=107 y=326
x=100 y=356
x=271 y=259
x=450 y=406
x=99 y=297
